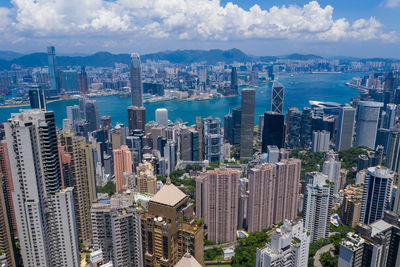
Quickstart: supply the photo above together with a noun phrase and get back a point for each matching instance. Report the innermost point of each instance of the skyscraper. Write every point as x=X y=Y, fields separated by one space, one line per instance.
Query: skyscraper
x=81 y=178
x=136 y=81
x=162 y=116
x=212 y=139
x=168 y=230
x=345 y=130
x=199 y=129
x=277 y=97
x=318 y=200
x=320 y=141
x=37 y=180
x=367 y=123
x=122 y=164
x=294 y=127
x=217 y=194
x=376 y=194
x=247 y=123
x=273 y=131
x=136 y=118
x=234 y=80
x=92 y=115
x=70 y=82
x=106 y=122
x=306 y=127
x=83 y=81
x=53 y=72
x=390 y=116
x=37 y=98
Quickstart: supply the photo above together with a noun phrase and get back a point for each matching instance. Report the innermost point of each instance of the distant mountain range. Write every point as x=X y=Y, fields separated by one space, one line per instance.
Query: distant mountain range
x=106 y=59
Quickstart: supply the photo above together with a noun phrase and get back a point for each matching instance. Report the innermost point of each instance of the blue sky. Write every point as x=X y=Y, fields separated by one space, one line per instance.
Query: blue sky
x=368 y=28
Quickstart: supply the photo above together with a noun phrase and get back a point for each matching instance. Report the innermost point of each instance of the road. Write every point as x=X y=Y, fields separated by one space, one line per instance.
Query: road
x=321 y=251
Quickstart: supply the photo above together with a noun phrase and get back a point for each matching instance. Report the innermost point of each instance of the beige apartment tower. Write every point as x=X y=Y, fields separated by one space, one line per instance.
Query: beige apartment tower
x=81 y=178
x=146 y=180
x=217 y=194
x=273 y=193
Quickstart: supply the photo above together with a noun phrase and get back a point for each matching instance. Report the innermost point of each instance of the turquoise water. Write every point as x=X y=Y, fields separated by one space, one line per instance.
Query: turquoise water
x=299 y=89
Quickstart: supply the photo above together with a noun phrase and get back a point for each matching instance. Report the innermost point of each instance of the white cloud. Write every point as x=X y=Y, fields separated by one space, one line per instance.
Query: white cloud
x=392 y=3
x=187 y=19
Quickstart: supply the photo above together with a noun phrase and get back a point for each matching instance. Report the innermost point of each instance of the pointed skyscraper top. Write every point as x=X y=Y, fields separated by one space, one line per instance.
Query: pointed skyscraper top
x=136 y=80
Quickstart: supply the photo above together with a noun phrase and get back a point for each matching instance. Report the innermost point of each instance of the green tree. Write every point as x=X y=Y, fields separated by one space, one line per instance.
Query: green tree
x=109 y=188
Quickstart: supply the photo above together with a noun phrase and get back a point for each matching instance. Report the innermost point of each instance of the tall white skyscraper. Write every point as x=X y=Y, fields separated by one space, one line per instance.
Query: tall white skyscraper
x=162 y=116
x=288 y=247
x=33 y=153
x=136 y=81
x=51 y=57
x=318 y=199
x=367 y=123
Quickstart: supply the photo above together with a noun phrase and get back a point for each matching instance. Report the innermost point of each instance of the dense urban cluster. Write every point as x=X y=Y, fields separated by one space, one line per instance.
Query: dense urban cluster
x=312 y=187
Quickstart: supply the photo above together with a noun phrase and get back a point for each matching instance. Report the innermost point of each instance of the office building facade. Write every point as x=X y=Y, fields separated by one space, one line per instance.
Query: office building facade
x=247 y=123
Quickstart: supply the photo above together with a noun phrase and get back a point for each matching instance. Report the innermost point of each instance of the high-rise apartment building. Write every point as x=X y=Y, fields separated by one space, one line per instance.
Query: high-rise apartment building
x=67 y=244
x=136 y=81
x=374 y=245
x=367 y=123
x=318 y=200
x=5 y=169
x=162 y=116
x=351 y=209
x=277 y=97
x=331 y=168
x=122 y=164
x=117 y=233
x=70 y=82
x=273 y=131
x=217 y=196
x=261 y=200
x=7 y=237
x=33 y=153
x=377 y=194
x=247 y=123
x=168 y=229
x=345 y=130
x=81 y=178
x=146 y=179
x=288 y=247
x=53 y=72
x=136 y=118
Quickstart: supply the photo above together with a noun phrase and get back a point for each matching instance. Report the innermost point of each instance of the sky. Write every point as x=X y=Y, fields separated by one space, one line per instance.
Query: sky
x=361 y=28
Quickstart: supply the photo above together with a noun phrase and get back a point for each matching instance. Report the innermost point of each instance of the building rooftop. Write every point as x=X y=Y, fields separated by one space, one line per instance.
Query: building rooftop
x=379 y=226
x=169 y=194
x=187 y=261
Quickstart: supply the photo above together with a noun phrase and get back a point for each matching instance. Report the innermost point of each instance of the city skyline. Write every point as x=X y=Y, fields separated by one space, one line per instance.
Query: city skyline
x=281 y=27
